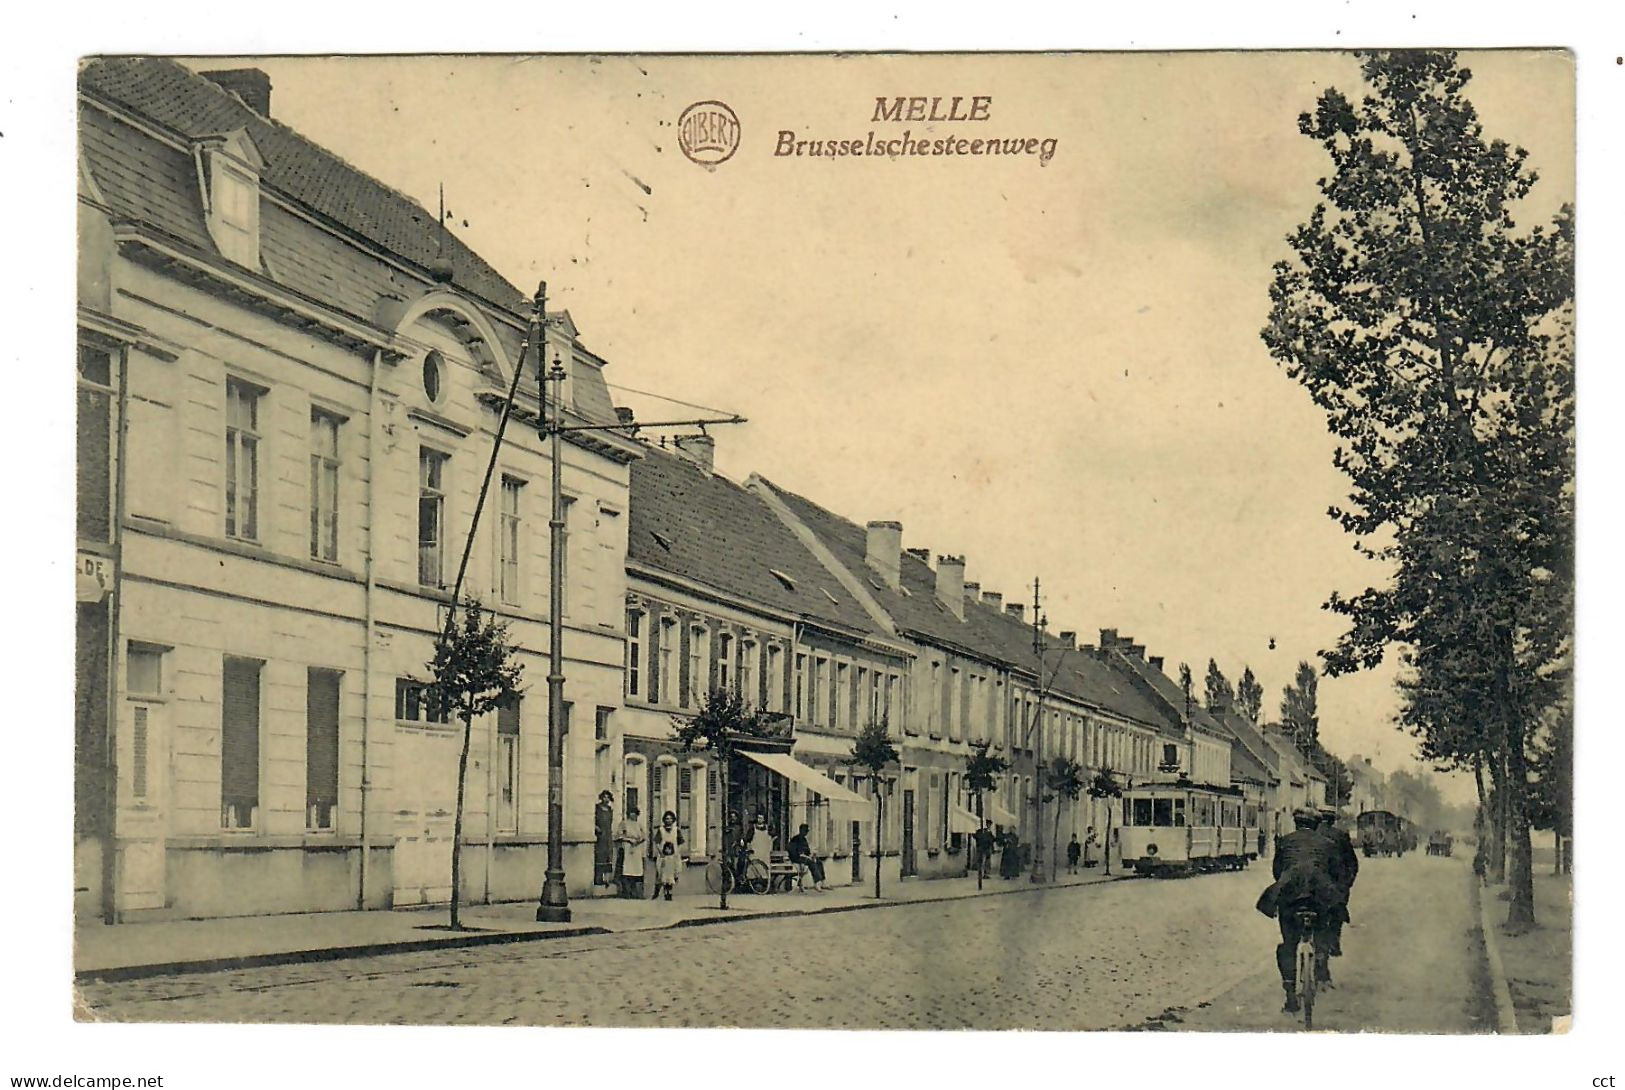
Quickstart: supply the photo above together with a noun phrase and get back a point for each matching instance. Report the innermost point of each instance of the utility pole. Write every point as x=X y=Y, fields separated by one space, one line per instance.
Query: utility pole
x=1040 y=873
x=555 y=902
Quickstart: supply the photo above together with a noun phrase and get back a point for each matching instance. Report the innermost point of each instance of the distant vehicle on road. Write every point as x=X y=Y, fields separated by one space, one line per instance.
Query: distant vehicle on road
x=1439 y=843
x=1384 y=833
x=1182 y=827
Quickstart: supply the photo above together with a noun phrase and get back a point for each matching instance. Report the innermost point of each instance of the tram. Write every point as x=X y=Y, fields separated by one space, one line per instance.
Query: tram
x=1383 y=833
x=1186 y=828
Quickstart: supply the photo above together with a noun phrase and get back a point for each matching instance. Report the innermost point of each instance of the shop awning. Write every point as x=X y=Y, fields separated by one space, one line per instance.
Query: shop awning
x=961 y=820
x=999 y=814
x=808 y=777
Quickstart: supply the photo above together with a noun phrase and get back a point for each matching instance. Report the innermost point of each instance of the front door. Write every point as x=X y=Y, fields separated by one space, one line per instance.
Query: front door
x=908 y=834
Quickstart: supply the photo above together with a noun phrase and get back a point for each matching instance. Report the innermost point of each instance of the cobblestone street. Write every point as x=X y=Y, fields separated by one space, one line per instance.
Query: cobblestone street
x=1102 y=957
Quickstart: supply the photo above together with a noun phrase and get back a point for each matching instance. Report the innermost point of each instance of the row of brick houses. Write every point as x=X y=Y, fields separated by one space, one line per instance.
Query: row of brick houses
x=290 y=379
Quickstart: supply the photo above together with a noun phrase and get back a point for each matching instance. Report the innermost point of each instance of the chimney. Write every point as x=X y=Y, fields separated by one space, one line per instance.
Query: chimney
x=1069 y=640
x=249 y=84
x=973 y=591
x=883 y=551
x=624 y=415
x=1135 y=649
x=1108 y=638
x=1156 y=663
x=699 y=449
x=993 y=598
x=1015 y=610
x=922 y=555
x=951 y=584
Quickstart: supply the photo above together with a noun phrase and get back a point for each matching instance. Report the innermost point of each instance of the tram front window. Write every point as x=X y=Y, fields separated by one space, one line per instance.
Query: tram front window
x=1162 y=814
x=1142 y=812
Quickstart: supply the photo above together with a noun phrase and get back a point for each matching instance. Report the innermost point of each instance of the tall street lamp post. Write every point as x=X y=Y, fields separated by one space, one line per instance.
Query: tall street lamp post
x=555 y=902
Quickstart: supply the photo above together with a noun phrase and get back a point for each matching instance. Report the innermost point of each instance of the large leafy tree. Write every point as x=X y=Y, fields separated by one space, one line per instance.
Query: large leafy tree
x=1220 y=693
x=473 y=672
x=1433 y=331
x=1299 y=709
x=1250 y=695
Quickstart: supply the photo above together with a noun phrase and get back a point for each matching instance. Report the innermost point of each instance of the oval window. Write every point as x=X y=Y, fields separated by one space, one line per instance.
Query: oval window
x=433 y=372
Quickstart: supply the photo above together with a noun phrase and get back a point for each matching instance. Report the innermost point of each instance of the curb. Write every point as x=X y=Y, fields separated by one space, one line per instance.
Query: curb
x=119 y=973
x=1506 y=1017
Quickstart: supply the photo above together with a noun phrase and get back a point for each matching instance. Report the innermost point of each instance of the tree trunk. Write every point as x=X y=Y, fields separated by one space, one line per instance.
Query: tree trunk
x=457 y=826
x=981 y=857
x=1107 y=853
x=876 y=781
x=1521 y=907
x=726 y=852
x=1055 y=841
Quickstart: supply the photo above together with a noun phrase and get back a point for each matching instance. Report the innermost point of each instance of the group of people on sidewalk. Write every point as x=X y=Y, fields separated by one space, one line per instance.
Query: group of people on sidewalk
x=1315 y=867
x=623 y=850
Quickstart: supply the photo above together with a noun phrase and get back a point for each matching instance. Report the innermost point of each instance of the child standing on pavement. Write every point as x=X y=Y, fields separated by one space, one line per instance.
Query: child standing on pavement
x=668 y=839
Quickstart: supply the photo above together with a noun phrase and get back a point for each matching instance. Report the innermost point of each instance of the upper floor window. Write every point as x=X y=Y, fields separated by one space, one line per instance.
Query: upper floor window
x=95 y=444
x=747 y=671
x=324 y=485
x=725 y=647
x=431 y=516
x=634 y=652
x=233 y=207
x=697 y=679
x=508 y=541
x=434 y=376
x=668 y=662
x=242 y=459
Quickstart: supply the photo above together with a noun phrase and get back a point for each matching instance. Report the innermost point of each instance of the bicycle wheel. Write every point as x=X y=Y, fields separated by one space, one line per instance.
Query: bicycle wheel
x=757 y=878
x=717 y=878
x=1307 y=984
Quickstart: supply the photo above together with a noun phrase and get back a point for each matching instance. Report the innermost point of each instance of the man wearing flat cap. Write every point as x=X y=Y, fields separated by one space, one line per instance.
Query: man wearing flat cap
x=1304 y=878
x=1346 y=867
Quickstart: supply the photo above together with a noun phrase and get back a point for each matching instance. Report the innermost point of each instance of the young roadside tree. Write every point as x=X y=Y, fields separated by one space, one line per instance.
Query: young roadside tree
x=1065 y=783
x=1298 y=709
x=473 y=672
x=717 y=728
x=1436 y=334
x=1250 y=695
x=1104 y=785
x=982 y=771
x=1220 y=695
x=1188 y=685
x=873 y=751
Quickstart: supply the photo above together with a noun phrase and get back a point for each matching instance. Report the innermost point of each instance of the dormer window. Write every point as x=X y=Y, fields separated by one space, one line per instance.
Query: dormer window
x=229 y=177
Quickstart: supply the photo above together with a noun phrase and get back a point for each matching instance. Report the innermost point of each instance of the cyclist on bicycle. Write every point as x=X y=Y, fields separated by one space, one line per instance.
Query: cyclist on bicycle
x=1305 y=871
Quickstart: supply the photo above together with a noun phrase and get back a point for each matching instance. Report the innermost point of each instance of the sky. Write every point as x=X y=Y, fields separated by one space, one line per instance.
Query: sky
x=1051 y=368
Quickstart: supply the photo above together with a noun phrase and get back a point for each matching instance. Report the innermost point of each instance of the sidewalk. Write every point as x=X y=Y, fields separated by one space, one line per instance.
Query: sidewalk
x=132 y=950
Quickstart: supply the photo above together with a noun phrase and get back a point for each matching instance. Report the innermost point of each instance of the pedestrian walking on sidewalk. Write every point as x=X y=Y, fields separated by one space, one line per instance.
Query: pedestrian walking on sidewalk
x=1090 y=841
x=1010 y=857
x=629 y=836
x=1074 y=851
x=603 y=845
x=667 y=845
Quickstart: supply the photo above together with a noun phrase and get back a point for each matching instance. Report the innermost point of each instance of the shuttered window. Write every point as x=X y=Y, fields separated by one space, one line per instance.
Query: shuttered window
x=685 y=805
x=508 y=766
x=240 y=743
x=321 y=747
x=138 y=754
x=95 y=443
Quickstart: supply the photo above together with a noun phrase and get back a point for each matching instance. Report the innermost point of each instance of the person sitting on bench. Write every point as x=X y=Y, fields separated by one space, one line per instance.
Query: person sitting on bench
x=801 y=855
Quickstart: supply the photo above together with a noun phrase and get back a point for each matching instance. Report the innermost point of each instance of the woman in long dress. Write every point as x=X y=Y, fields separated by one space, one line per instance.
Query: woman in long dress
x=667 y=846
x=629 y=838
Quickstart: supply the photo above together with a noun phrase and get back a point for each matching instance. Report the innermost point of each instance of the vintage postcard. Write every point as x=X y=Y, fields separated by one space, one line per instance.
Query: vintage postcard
x=1050 y=541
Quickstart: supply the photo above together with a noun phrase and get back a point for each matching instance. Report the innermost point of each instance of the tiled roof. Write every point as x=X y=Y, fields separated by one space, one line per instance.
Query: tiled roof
x=985 y=631
x=705 y=528
x=915 y=608
x=190 y=106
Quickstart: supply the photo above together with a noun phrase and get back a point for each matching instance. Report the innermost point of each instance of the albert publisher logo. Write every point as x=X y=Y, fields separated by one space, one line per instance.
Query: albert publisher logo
x=708 y=133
